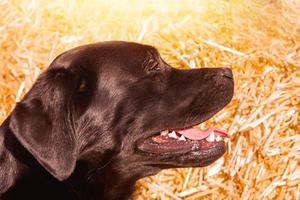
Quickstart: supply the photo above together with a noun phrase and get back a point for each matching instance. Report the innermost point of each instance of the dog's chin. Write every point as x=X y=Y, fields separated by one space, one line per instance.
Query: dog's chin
x=190 y=147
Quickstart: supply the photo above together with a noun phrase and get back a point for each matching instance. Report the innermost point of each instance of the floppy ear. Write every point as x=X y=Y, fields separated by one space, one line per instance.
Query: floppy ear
x=42 y=122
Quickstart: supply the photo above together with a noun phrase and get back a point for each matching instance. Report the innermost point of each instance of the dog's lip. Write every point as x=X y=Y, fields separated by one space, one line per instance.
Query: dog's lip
x=182 y=141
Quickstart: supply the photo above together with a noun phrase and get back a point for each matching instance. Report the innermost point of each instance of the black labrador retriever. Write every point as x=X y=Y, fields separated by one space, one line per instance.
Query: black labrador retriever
x=104 y=115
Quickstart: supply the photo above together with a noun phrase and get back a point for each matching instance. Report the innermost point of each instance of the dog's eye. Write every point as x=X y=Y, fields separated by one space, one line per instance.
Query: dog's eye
x=82 y=85
x=154 y=67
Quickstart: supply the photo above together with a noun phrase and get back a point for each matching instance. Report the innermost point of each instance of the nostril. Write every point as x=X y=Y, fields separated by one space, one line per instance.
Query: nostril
x=226 y=72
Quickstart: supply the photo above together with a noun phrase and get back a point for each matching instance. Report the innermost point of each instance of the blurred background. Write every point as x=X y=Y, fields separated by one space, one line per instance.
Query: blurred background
x=259 y=40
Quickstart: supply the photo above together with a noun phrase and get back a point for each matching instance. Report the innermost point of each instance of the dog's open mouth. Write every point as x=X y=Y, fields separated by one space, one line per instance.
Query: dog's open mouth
x=184 y=141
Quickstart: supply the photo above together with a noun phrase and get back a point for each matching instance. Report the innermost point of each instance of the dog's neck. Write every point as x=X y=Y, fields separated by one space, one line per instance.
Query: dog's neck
x=117 y=178
x=110 y=176
x=110 y=170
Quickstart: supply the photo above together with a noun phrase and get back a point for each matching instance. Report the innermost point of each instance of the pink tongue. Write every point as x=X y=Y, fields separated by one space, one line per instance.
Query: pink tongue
x=198 y=134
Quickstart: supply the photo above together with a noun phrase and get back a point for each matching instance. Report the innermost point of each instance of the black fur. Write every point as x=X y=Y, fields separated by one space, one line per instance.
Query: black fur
x=74 y=135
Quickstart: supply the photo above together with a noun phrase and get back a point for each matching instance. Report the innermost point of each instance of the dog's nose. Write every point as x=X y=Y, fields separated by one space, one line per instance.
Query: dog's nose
x=227 y=72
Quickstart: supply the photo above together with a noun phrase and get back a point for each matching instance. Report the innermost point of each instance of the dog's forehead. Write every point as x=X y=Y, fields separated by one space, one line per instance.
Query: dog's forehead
x=105 y=53
x=127 y=53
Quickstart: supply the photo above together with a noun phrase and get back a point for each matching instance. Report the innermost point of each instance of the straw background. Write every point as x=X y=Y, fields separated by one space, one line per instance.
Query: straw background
x=259 y=40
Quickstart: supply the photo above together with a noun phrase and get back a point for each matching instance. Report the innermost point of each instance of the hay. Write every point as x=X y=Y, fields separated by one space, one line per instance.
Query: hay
x=259 y=40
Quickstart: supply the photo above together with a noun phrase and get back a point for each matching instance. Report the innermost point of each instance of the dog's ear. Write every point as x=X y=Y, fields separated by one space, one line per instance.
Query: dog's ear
x=43 y=122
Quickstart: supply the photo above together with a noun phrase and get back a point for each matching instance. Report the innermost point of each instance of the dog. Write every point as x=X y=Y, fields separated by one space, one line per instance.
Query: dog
x=104 y=115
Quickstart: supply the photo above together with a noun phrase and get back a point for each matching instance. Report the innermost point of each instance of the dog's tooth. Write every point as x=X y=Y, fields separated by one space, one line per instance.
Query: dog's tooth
x=182 y=138
x=226 y=140
x=164 y=133
x=173 y=135
x=211 y=137
x=219 y=138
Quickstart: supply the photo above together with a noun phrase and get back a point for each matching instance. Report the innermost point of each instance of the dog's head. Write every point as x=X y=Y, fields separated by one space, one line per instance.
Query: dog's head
x=121 y=101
